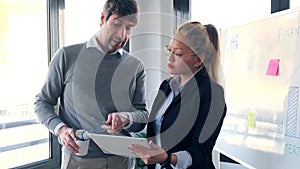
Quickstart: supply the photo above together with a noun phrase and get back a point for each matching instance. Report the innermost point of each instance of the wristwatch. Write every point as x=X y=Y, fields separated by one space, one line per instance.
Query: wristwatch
x=167 y=163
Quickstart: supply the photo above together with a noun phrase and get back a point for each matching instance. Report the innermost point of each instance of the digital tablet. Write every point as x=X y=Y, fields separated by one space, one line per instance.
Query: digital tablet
x=118 y=145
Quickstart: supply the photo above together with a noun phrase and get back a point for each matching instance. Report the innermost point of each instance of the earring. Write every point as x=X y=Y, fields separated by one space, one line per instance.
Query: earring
x=195 y=65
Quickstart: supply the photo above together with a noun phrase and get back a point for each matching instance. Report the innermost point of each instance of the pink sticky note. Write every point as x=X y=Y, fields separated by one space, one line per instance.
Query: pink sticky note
x=273 y=67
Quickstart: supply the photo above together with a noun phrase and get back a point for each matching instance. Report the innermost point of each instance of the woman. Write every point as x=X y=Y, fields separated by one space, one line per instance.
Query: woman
x=188 y=111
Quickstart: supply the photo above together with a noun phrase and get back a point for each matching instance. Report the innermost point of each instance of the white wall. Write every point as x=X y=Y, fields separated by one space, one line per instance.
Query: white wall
x=152 y=33
x=294 y=3
x=229 y=12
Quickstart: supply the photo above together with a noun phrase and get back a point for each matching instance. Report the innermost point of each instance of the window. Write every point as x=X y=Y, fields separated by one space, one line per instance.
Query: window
x=78 y=26
x=28 y=38
x=23 y=67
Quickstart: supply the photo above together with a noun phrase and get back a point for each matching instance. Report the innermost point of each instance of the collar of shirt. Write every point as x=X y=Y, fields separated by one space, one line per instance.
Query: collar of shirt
x=175 y=81
x=93 y=43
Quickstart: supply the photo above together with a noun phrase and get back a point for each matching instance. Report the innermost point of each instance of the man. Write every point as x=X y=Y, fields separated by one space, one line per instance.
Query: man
x=101 y=89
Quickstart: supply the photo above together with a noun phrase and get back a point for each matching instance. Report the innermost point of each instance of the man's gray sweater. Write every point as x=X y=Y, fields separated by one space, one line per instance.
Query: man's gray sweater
x=89 y=86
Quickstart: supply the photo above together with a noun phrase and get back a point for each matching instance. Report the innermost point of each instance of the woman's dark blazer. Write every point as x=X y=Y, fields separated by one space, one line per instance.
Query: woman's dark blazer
x=193 y=120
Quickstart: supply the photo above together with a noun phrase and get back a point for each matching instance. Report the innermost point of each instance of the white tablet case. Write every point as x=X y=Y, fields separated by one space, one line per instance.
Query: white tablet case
x=118 y=145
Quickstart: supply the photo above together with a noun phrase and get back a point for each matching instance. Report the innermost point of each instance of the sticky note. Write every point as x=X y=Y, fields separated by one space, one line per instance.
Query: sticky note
x=273 y=67
x=251 y=119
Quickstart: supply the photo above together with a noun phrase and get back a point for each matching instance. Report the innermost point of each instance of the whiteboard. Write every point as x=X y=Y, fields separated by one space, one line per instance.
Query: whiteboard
x=262 y=126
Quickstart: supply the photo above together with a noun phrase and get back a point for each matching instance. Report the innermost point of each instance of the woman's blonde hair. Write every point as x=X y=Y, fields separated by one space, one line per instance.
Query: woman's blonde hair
x=203 y=40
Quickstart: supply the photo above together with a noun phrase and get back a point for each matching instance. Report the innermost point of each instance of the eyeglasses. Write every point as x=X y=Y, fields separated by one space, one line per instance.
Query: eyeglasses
x=176 y=56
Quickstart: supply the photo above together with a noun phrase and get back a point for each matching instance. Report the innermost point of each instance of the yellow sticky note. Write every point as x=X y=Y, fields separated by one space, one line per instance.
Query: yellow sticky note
x=251 y=119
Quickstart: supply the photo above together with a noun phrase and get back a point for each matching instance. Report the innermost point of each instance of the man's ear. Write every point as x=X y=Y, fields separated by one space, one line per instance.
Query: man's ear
x=102 y=18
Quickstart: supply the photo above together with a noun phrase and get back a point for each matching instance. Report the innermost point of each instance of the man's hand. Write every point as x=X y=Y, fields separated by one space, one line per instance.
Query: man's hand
x=116 y=122
x=67 y=138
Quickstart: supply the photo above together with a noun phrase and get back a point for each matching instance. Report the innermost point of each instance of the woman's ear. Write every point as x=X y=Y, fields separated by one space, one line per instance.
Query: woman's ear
x=200 y=60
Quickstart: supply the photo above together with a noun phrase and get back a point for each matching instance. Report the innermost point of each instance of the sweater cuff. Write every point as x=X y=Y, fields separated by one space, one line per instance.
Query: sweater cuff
x=130 y=120
x=58 y=126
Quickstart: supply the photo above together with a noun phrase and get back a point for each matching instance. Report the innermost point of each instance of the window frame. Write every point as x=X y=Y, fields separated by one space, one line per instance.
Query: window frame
x=54 y=160
x=279 y=5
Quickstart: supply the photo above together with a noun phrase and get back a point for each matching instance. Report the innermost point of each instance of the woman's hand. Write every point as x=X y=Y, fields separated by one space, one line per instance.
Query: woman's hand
x=152 y=155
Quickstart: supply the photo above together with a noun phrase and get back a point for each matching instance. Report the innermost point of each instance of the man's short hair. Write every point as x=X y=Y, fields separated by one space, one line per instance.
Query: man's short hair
x=123 y=8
